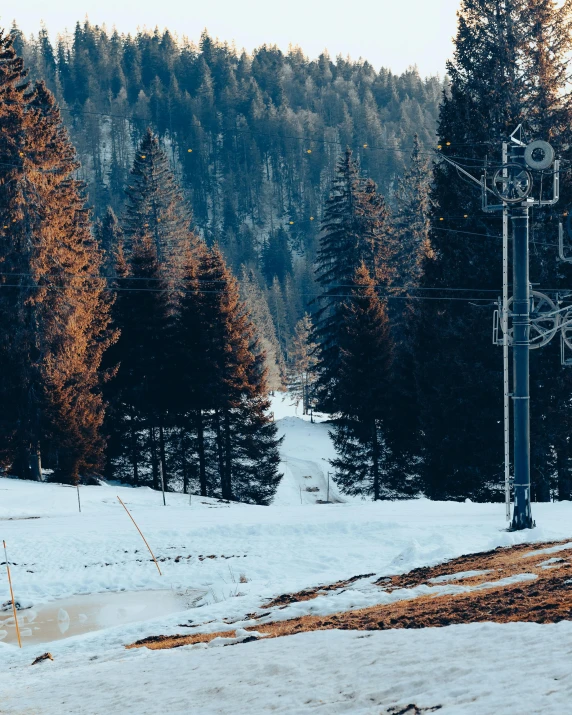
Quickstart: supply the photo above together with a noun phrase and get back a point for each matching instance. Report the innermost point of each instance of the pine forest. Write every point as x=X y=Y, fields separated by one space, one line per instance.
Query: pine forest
x=187 y=230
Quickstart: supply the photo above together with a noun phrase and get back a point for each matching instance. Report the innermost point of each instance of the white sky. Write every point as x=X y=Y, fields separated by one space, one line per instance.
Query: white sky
x=389 y=33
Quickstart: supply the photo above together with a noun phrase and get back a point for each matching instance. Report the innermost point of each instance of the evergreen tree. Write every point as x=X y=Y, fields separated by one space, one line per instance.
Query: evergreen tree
x=196 y=372
x=355 y=229
x=108 y=235
x=18 y=40
x=277 y=307
x=335 y=266
x=462 y=404
x=412 y=220
x=302 y=363
x=366 y=352
x=245 y=436
x=73 y=311
x=154 y=202
x=18 y=435
x=549 y=116
x=54 y=307
x=48 y=59
x=411 y=223
x=276 y=257
x=257 y=305
x=143 y=317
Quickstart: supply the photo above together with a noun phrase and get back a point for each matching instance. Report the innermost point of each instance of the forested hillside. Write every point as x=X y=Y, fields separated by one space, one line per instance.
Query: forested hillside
x=252 y=139
x=262 y=222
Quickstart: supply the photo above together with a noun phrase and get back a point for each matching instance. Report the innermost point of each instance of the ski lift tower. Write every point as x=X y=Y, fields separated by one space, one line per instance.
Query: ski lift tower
x=534 y=318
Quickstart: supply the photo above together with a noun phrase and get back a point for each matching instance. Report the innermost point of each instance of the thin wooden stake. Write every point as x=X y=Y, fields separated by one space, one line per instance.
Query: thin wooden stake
x=78 y=500
x=144 y=539
x=12 y=597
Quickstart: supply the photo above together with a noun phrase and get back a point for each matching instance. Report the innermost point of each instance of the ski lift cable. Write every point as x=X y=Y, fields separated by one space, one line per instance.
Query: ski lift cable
x=179 y=291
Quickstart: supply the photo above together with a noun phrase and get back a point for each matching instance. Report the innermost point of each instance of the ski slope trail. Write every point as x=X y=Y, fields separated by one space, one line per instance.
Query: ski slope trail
x=305 y=454
x=311 y=481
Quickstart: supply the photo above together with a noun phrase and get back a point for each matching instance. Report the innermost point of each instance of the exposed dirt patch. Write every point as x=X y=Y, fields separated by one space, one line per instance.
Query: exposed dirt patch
x=161 y=642
x=499 y=563
x=310 y=593
x=547 y=599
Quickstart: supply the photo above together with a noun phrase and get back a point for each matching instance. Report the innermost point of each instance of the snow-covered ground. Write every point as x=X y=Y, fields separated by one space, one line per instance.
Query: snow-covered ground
x=481 y=669
x=237 y=557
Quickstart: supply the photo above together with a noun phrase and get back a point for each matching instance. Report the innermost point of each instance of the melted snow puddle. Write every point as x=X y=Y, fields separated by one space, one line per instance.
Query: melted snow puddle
x=83 y=614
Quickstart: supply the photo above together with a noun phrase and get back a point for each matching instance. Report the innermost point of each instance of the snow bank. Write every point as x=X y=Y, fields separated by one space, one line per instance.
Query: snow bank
x=478 y=669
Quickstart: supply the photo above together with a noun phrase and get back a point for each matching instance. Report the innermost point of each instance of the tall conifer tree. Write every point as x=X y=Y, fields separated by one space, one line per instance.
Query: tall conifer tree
x=276 y=257
x=108 y=234
x=412 y=219
x=245 y=436
x=196 y=371
x=411 y=222
x=155 y=203
x=366 y=353
x=355 y=229
x=256 y=303
x=143 y=317
x=54 y=306
x=302 y=363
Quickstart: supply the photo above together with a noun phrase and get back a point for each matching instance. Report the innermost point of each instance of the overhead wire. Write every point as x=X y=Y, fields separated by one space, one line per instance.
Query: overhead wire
x=220 y=291
x=214 y=281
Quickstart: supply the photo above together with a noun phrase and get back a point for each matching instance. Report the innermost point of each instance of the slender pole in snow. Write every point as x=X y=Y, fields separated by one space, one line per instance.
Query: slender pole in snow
x=505 y=354
x=78 y=499
x=521 y=514
x=141 y=533
x=12 y=597
x=328 y=497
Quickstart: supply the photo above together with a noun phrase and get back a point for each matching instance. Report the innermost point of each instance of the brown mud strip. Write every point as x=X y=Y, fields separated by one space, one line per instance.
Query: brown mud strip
x=546 y=599
x=310 y=593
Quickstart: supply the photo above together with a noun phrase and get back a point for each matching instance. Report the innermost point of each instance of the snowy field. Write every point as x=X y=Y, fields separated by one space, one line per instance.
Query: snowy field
x=227 y=561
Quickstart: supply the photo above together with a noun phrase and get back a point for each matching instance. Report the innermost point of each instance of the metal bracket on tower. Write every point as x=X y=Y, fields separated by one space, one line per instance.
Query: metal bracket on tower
x=561 y=254
x=516 y=141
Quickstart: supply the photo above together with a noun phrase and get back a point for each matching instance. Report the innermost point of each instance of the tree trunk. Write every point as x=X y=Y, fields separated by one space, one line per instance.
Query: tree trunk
x=228 y=456
x=134 y=455
x=201 y=451
x=185 y=464
x=219 y=446
x=35 y=462
x=375 y=458
x=154 y=465
x=564 y=486
x=35 y=447
x=541 y=488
